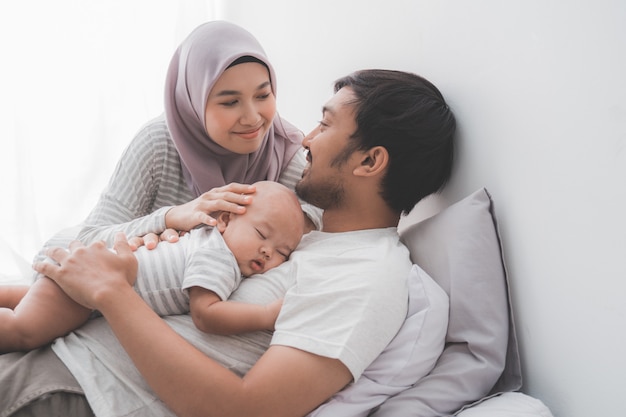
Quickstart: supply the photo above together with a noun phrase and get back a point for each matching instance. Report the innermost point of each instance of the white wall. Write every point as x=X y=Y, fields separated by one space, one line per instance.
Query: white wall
x=538 y=88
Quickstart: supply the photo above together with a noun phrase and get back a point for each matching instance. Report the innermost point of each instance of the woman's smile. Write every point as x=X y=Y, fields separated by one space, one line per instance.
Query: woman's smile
x=250 y=134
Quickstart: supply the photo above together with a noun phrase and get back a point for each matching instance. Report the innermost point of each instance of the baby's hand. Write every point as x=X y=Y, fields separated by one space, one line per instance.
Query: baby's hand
x=272 y=311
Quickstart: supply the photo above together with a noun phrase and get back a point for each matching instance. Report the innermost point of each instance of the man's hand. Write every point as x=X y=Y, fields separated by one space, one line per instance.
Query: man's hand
x=88 y=274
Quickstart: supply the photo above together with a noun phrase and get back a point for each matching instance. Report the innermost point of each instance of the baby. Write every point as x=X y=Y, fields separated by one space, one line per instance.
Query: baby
x=195 y=275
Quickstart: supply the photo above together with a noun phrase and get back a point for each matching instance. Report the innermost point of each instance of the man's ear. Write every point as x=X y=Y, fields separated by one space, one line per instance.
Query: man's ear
x=373 y=162
x=222 y=220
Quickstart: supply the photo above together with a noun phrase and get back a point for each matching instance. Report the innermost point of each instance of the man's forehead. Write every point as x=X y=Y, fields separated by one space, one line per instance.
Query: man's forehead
x=342 y=100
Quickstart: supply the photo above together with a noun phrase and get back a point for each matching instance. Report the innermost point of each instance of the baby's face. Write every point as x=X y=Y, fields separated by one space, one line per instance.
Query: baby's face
x=263 y=237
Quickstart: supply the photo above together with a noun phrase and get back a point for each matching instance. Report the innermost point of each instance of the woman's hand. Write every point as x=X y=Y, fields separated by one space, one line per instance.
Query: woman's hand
x=232 y=198
x=151 y=240
x=181 y=219
x=92 y=275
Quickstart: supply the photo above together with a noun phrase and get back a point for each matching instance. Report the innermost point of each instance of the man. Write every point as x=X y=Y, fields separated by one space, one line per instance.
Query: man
x=384 y=143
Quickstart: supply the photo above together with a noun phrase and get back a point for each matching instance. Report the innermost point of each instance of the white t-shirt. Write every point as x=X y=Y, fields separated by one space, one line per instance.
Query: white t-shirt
x=345 y=297
x=350 y=296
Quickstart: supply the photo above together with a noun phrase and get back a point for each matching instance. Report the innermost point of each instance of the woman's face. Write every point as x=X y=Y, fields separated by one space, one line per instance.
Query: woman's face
x=240 y=108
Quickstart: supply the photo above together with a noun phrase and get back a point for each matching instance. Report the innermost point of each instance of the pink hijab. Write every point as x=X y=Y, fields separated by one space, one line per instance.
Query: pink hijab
x=195 y=67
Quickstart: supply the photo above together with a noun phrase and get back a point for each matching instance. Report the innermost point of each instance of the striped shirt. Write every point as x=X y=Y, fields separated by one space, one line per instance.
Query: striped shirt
x=200 y=258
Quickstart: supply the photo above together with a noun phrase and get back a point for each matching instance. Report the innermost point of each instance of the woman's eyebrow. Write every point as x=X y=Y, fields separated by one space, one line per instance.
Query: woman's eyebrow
x=235 y=92
x=263 y=85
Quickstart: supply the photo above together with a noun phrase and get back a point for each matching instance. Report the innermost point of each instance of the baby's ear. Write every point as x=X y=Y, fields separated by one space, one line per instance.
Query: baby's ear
x=222 y=220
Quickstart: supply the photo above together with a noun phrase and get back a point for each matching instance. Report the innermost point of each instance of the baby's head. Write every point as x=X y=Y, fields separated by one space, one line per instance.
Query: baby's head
x=266 y=234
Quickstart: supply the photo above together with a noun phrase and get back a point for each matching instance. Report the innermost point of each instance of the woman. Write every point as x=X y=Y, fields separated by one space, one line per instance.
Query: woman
x=219 y=131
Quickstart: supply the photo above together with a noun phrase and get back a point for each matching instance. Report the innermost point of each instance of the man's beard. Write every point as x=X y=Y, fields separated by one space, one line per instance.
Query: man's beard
x=327 y=194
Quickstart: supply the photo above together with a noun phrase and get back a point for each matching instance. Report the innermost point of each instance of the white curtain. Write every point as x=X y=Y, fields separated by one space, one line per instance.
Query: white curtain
x=77 y=80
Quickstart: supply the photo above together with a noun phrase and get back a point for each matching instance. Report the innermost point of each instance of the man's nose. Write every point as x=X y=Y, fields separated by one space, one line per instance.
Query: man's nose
x=308 y=138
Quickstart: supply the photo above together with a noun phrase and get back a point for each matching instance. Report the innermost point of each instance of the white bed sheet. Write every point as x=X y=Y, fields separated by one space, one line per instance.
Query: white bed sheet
x=508 y=404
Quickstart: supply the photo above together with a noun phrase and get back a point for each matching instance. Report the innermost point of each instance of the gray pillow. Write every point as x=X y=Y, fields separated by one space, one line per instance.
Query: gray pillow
x=460 y=249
